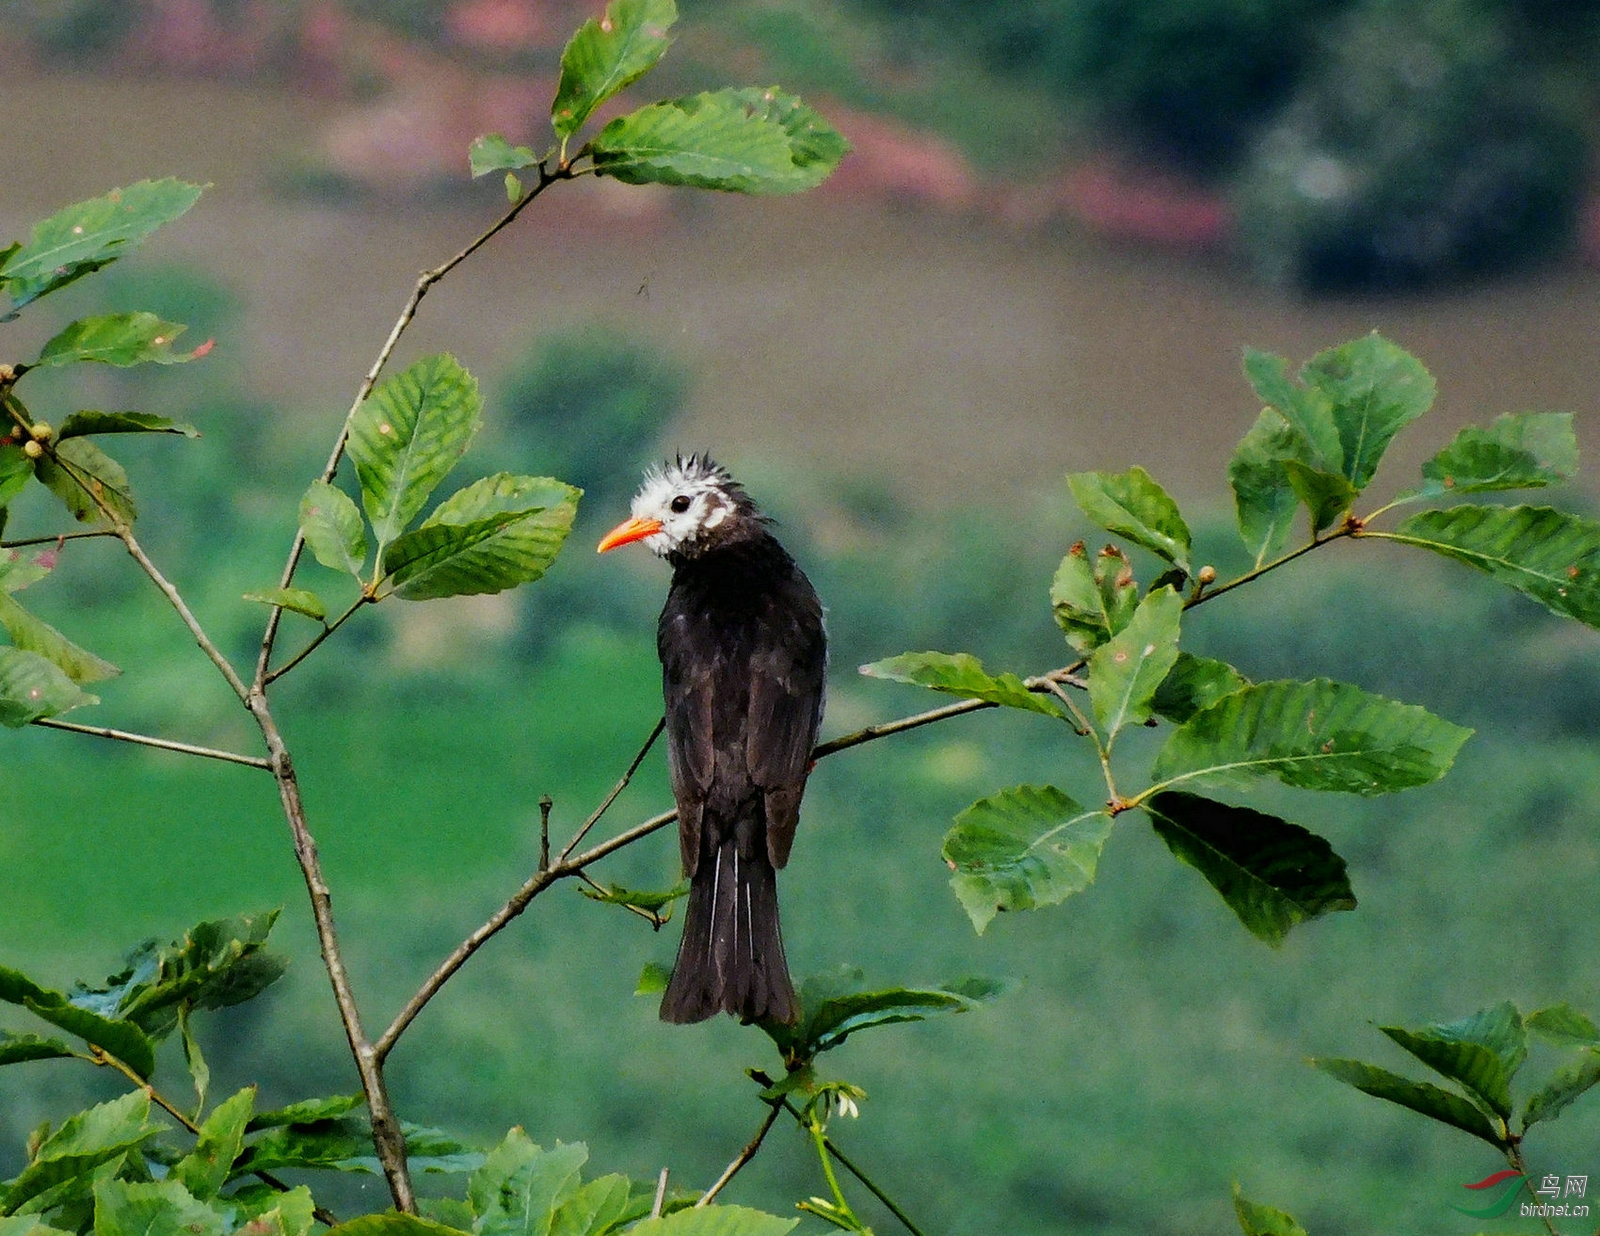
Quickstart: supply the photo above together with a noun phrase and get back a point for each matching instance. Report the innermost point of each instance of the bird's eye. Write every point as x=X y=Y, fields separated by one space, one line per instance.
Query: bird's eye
x=680 y=504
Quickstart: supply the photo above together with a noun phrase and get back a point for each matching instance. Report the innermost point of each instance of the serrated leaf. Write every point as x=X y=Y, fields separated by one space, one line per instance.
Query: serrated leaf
x=1374 y=388
x=492 y=153
x=83 y=1142
x=32 y=686
x=832 y=1008
x=271 y=1212
x=392 y=1223
x=88 y=235
x=122 y=1039
x=1192 y=684
x=332 y=528
x=743 y=141
x=1564 y=1025
x=307 y=1111
x=1125 y=672
x=27 y=1225
x=1528 y=450
x=1447 y=1048
x=1317 y=735
x=1272 y=874
x=1423 y=1097
x=597 y=1207
x=206 y=1168
x=33 y=634
x=120 y=339
x=606 y=56
x=959 y=673
x=1327 y=495
x=1566 y=1084
x=1543 y=553
x=407 y=436
x=15 y=469
x=715 y=1221
x=80 y=424
x=1305 y=409
x=1134 y=505
x=1021 y=848
x=1258 y=1220
x=1093 y=601
x=155 y=1208
x=19 y=1048
x=1264 y=499
x=194 y=1058
x=343 y=1145
x=519 y=1186
x=297 y=599
x=80 y=469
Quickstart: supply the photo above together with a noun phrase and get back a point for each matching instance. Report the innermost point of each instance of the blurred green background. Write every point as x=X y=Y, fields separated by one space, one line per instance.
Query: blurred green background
x=901 y=367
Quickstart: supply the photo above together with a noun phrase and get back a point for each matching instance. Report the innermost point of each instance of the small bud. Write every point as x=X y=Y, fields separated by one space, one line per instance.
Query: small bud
x=1207 y=576
x=32 y=449
x=40 y=432
x=8 y=374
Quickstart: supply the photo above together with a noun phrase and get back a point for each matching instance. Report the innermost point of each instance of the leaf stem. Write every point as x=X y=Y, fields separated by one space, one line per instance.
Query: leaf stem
x=164 y=744
x=850 y=1166
x=327 y=629
x=1344 y=530
x=743 y=1157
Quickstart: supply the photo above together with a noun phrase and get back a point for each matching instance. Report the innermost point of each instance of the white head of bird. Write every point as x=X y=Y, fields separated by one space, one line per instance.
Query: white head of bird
x=685 y=508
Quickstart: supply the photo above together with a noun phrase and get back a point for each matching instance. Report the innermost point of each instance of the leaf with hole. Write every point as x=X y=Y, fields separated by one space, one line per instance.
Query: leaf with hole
x=1317 y=735
x=607 y=55
x=1021 y=848
x=742 y=141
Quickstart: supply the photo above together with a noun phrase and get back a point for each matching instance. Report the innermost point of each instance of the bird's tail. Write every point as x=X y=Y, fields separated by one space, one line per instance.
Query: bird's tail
x=731 y=958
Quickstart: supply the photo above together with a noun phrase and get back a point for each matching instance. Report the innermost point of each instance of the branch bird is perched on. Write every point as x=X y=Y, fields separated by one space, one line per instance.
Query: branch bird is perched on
x=743 y=657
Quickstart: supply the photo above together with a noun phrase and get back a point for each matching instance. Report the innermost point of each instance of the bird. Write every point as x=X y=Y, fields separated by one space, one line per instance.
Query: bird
x=743 y=663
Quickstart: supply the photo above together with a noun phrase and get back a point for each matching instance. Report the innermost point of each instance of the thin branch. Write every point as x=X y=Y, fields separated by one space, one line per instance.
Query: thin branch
x=55 y=538
x=328 y=628
x=743 y=1157
x=164 y=744
x=1344 y=530
x=605 y=803
x=849 y=1166
x=661 y=1195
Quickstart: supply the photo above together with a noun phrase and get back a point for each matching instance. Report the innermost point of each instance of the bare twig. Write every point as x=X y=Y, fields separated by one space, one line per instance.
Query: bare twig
x=743 y=1157
x=164 y=744
x=56 y=538
x=605 y=803
x=661 y=1195
x=316 y=642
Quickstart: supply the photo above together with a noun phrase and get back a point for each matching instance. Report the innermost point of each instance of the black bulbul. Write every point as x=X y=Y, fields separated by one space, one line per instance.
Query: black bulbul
x=743 y=657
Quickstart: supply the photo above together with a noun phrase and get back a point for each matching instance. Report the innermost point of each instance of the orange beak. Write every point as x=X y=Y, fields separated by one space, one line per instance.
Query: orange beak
x=627 y=532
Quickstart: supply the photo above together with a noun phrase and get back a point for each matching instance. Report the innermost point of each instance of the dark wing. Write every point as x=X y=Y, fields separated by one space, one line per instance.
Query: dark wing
x=686 y=687
x=787 y=669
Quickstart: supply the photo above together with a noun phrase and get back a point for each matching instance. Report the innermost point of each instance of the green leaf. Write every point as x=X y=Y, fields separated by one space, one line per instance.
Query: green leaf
x=392 y=1223
x=79 y=469
x=1192 y=684
x=332 y=528
x=496 y=533
x=595 y=1208
x=206 y=1168
x=1327 y=495
x=643 y=899
x=32 y=687
x=157 y=1208
x=1023 y=847
x=18 y=1048
x=1546 y=554
x=1517 y=451
x=1124 y=673
x=1307 y=410
x=959 y=673
x=81 y=423
x=269 y=1212
x=407 y=436
x=1375 y=389
x=1317 y=735
x=27 y=1225
x=1481 y=1052
x=832 y=1009
x=742 y=141
x=1133 y=505
x=1092 y=602
x=1258 y=1220
x=715 y=1221
x=519 y=1186
x=307 y=1111
x=120 y=339
x=15 y=469
x=1564 y=1025
x=1272 y=874
x=88 y=235
x=35 y=635
x=606 y=56
x=122 y=1039
x=492 y=153
x=17 y=573
x=83 y=1142
x=343 y=1145
x=1429 y=1100
x=194 y=1058
x=1566 y=1084
x=1263 y=497
x=297 y=599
